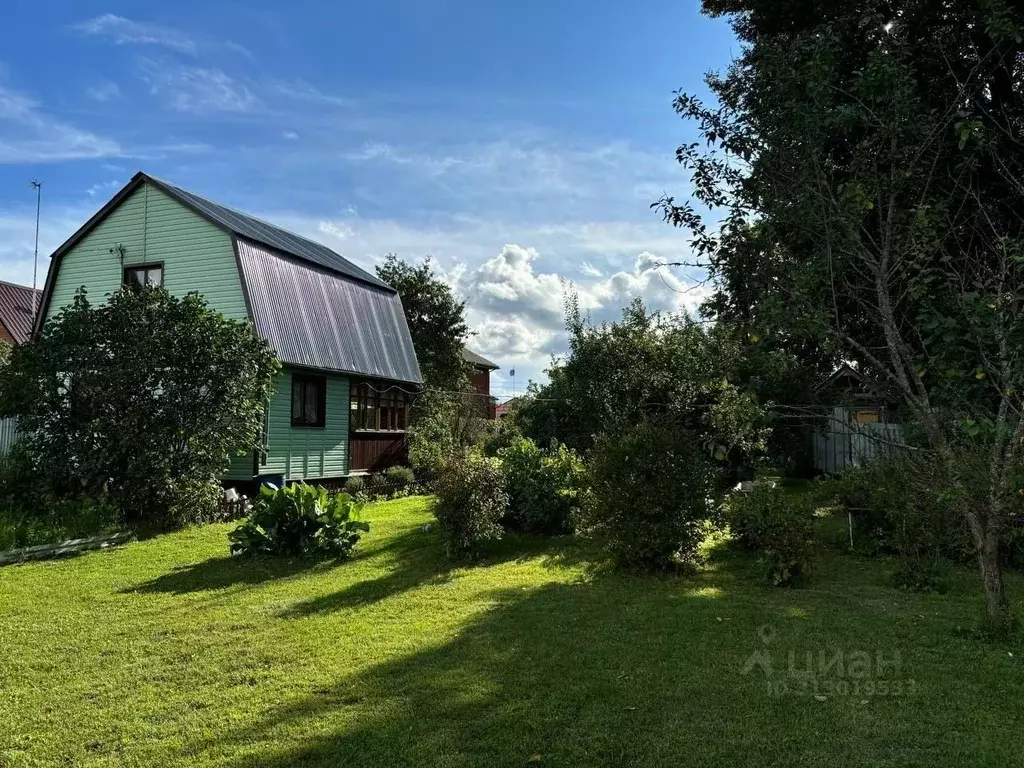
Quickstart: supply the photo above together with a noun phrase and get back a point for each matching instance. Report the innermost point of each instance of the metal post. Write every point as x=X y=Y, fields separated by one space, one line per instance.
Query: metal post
x=38 y=186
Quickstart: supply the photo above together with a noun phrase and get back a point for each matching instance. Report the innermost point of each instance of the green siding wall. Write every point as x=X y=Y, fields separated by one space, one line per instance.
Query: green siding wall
x=301 y=452
x=150 y=226
x=241 y=468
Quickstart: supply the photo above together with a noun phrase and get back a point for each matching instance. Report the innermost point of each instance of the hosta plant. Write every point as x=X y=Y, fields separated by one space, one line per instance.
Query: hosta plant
x=300 y=519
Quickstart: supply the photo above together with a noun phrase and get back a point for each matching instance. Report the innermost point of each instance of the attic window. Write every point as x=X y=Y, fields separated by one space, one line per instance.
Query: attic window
x=309 y=400
x=141 y=275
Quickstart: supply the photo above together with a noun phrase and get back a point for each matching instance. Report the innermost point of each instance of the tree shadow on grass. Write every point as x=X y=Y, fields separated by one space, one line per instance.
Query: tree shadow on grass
x=418 y=559
x=614 y=671
x=228 y=571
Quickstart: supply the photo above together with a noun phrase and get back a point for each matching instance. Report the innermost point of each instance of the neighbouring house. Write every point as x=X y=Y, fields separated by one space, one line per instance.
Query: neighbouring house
x=856 y=425
x=341 y=402
x=481 y=379
x=507 y=407
x=18 y=304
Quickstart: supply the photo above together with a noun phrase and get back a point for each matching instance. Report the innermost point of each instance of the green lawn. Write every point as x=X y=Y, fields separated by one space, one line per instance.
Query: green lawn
x=170 y=653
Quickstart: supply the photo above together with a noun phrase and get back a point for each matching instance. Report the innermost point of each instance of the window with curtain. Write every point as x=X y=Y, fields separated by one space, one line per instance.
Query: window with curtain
x=378 y=411
x=309 y=400
x=141 y=275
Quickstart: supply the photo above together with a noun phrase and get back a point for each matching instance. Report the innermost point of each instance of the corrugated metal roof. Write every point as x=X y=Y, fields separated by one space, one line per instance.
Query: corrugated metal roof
x=321 y=319
x=16 y=309
x=267 y=234
x=478 y=360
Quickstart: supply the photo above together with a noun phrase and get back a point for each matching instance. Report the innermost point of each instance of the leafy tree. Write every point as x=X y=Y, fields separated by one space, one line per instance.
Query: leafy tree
x=645 y=366
x=444 y=424
x=144 y=398
x=436 y=321
x=866 y=161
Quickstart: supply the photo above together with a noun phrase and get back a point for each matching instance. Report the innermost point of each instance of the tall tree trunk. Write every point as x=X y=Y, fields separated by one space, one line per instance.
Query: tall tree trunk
x=986 y=541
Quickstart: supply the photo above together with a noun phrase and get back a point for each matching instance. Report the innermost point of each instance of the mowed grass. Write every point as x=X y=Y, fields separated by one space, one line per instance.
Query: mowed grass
x=170 y=653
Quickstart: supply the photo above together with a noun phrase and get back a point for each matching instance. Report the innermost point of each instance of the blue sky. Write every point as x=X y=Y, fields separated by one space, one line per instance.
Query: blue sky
x=519 y=144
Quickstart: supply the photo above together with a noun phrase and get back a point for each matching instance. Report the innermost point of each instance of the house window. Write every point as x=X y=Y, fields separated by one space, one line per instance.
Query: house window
x=143 y=274
x=309 y=400
x=378 y=411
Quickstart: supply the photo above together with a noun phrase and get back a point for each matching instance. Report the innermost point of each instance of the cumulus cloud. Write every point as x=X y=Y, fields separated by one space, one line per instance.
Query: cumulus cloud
x=511 y=338
x=507 y=284
x=660 y=287
x=517 y=308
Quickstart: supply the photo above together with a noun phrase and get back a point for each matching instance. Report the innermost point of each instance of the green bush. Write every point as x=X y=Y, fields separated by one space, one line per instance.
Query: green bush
x=300 y=519
x=19 y=483
x=500 y=434
x=52 y=520
x=777 y=525
x=355 y=486
x=899 y=507
x=376 y=485
x=31 y=515
x=544 y=488
x=470 y=502
x=649 y=496
x=142 y=398
x=399 y=478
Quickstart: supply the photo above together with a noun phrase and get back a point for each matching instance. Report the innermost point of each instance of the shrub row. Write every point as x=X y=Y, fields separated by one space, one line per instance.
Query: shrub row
x=394 y=482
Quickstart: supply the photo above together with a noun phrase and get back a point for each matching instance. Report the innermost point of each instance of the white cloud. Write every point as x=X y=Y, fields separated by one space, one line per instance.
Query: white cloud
x=198 y=89
x=124 y=31
x=302 y=90
x=127 y=32
x=240 y=49
x=290 y=135
x=508 y=286
x=103 y=189
x=590 y=270
x=103 y=92
x=32 y=136
x=660 y=287
x=518 y=310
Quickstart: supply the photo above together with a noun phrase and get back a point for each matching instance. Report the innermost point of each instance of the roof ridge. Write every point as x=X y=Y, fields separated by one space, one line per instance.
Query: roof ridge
x=237 y=211
x=279 y=235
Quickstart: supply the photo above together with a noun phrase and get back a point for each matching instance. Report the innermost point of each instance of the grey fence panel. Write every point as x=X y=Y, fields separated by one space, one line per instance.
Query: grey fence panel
x=8 y=434
x=841 y=443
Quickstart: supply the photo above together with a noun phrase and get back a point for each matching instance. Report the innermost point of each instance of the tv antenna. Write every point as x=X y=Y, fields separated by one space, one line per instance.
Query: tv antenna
x=38 y=187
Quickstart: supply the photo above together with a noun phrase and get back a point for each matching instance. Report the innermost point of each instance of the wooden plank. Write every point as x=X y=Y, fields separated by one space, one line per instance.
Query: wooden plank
x=71 y=546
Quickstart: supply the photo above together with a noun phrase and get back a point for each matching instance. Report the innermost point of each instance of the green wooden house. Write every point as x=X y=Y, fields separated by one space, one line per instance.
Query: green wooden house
x=341 y=402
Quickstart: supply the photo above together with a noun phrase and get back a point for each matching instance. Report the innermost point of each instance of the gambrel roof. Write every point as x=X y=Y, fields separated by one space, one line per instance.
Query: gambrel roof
x=315 y=307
